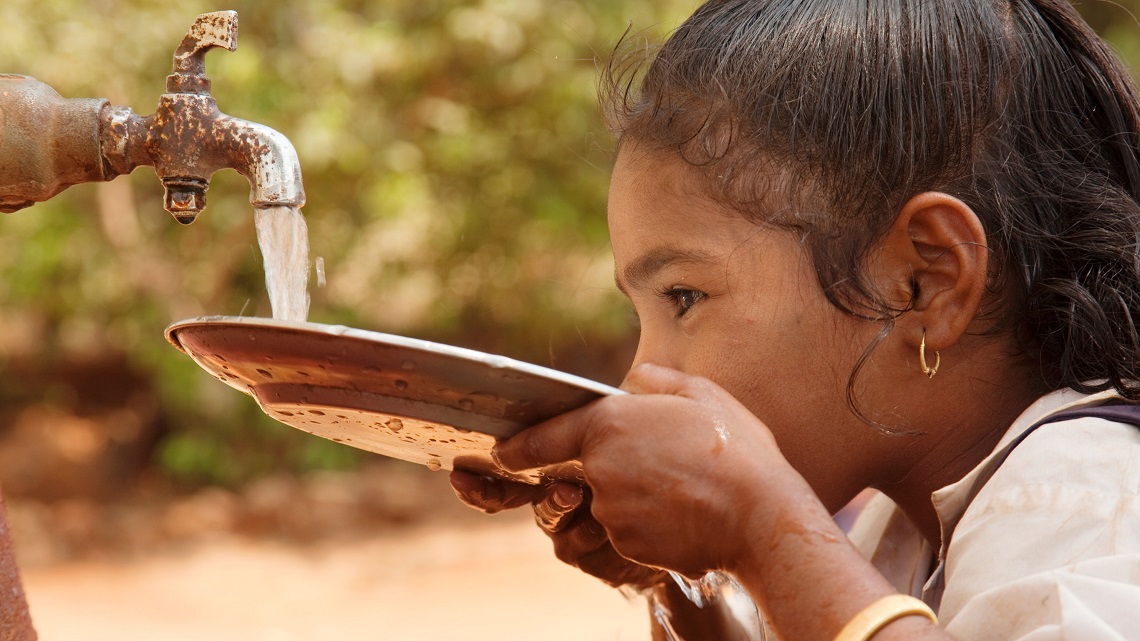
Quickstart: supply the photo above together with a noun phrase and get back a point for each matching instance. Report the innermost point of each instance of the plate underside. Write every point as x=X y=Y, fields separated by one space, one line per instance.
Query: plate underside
x=436 y=405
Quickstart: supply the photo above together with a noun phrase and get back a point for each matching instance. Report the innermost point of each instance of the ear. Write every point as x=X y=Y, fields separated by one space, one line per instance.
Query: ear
x=936 y=257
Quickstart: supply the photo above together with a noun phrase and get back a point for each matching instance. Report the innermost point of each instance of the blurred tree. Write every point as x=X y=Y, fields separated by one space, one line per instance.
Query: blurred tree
x=455 y=167
x=456 y=172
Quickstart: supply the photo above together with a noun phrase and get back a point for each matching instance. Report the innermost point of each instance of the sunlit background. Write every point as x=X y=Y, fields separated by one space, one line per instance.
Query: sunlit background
x=456 y=170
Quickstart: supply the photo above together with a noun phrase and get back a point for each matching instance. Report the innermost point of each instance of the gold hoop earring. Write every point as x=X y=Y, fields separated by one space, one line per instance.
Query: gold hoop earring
x=929 y=371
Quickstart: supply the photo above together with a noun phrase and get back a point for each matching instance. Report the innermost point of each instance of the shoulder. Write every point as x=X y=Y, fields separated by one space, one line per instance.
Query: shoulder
x=1079 y=455
x=1072 y=489
x=1063 y=510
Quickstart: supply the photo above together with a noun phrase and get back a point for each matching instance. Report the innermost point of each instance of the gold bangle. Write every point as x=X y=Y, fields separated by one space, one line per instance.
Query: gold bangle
x=876 y=616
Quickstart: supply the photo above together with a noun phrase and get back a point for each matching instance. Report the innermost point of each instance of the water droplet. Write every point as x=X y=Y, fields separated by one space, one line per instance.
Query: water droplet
x=317 y=412
x=320 y=267
x=395 y=424
x=265 y=373
x=217 y=356
x=284 y=413
x=434 y=464
x=304 y=373
x=401 y=384
x=371 y=370
x=466 y=404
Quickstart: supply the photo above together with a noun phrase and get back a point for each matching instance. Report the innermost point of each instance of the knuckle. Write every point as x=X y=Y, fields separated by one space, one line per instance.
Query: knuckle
x=698 y=386
x=604 y=564
x=605 y=417
x=564 y=550
x=591 y=534
x=532 y=447
x=550 y=517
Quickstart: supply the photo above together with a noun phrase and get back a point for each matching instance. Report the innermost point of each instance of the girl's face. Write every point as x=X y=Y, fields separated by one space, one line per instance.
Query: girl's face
x=738 y=303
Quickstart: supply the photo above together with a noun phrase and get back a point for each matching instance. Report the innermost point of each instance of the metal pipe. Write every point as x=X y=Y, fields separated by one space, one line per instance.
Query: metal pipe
x=48 y=143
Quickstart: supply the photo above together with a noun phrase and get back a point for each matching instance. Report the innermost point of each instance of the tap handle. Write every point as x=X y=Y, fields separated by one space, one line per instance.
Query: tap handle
x=217 y=29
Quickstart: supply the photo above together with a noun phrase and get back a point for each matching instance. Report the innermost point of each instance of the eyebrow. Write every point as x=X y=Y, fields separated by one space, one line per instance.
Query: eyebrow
x=637 y=273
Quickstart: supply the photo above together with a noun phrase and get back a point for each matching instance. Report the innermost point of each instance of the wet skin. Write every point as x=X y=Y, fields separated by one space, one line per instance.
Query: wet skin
x=738 y=441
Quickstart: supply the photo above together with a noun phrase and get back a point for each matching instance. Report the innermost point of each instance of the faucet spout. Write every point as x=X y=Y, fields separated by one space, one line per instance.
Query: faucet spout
x=190 y=139
x=268 y=161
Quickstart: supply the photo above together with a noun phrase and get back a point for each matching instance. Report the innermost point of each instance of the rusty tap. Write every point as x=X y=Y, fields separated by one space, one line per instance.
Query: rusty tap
x=48 y=143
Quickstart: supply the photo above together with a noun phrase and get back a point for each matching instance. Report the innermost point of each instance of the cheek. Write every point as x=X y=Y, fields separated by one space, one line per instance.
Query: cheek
x=788 y=369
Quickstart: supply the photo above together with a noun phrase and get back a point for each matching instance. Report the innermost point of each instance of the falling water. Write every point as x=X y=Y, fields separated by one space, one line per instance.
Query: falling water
x=284 y=241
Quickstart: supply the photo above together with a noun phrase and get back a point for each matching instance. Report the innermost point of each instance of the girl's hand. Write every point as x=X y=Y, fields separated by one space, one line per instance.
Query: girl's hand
x=681 y=473
x=562 y=510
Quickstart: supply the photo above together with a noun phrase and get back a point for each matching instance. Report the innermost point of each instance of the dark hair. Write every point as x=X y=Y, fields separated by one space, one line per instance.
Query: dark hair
x=1014 y=106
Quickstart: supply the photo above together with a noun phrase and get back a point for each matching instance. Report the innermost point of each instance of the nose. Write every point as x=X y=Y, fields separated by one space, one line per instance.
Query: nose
x=652 y=349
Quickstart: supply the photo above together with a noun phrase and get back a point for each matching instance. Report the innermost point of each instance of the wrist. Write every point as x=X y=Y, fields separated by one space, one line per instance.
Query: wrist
x=799 y=566
x=881 y=613
x=788 y=522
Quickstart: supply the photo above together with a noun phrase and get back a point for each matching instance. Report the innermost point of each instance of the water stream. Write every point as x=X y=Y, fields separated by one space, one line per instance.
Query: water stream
x=284 y=240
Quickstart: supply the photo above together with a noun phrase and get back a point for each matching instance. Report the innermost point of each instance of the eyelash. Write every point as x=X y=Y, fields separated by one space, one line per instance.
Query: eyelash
x=676 y=296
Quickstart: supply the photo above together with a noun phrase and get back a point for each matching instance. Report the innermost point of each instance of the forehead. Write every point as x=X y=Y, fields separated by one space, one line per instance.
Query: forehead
x=658 y=200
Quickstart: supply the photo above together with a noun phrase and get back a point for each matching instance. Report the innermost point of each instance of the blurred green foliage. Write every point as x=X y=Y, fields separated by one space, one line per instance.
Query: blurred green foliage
x=456 y=171
x=455 y=167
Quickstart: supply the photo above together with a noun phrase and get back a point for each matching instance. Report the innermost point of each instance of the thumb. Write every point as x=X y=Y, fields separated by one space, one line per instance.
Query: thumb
x=648 y=378
x=556 y=441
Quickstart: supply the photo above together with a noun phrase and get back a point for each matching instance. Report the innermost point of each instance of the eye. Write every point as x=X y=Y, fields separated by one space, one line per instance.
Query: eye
x=682 y=299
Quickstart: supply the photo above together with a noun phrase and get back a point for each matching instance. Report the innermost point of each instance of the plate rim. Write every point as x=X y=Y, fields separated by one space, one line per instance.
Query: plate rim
x=493 y=361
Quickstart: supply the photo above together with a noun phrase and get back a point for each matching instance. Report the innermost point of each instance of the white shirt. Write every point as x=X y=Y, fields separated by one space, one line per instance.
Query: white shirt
x=1048 y=550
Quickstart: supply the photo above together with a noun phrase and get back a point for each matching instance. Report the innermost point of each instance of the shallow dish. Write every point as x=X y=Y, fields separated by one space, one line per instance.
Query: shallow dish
x=437 y=405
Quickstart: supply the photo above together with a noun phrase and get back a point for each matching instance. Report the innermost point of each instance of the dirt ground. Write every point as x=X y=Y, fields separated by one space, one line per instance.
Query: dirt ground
x=448 y=573
x=382 y=552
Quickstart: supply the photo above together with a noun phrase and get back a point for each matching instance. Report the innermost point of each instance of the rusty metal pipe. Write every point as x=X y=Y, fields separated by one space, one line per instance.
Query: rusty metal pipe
x=48 y=143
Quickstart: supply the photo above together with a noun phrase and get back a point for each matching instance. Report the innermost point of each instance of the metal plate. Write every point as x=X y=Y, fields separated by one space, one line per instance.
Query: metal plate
x=433 y=404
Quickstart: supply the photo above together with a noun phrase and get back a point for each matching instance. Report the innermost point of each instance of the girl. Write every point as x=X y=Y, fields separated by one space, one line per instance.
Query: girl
x=870 y=243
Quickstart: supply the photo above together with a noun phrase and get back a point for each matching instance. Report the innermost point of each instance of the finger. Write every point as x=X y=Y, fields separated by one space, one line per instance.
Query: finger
x=611 y=567
x=582 y=537
x=647 y=378
x=555 y=511
x=556 y=441
x=492 y=495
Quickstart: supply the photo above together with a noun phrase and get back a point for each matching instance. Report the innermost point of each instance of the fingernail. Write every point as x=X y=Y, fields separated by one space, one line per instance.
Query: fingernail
x=566 y=496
